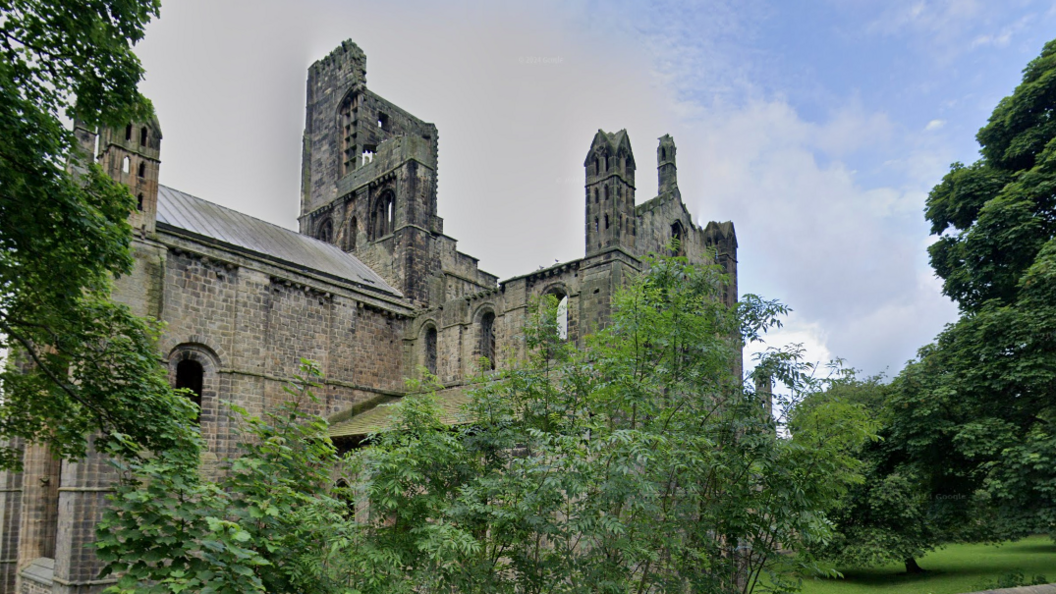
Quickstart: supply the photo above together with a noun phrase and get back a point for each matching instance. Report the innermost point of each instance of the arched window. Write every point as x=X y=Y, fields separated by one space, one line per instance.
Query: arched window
x=190 y=375
x=383 y=215
x=678 y=234
x=562 y=312
x=606 y=221
x=596 y=229
x=326 y=231
x=143 y=136
x=126 y=165
x=346 y=129
x=128 y=133
x=350 y=234
x=143 y=169
x=139 y=202
x=487 y=338
x=596 y=196
x=430 y=349
x=663 y=154
x=597 y=166
x=606 y=192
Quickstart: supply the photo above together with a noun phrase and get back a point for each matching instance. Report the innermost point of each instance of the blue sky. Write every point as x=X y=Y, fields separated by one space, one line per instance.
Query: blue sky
x=817 y=127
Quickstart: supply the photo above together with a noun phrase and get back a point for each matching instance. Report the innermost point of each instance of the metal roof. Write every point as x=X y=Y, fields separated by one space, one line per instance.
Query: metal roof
x=201 y=217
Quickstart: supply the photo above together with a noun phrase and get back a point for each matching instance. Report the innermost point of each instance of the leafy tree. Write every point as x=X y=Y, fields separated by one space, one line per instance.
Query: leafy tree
x=89 y=365
x=891 y=516
x=972 y=418
x=640 y=464
x=268 y=524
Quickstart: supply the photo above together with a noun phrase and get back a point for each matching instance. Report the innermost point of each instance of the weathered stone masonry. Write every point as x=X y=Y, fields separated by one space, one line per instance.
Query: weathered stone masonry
x=370 y=288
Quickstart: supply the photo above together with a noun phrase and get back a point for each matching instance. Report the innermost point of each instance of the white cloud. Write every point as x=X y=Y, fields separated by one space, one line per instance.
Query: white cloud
x=934 y=125
x=844 y=254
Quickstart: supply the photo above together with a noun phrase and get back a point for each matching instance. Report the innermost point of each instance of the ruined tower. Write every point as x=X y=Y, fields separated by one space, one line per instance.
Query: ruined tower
x=369 y=176
x=666 y=172
x=609 y=169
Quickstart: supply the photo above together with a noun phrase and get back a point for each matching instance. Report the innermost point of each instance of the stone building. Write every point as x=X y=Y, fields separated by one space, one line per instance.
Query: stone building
x=370 y=287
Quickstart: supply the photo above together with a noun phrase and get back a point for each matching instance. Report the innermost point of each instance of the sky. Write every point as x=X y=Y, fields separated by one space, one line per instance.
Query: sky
x=817 y=127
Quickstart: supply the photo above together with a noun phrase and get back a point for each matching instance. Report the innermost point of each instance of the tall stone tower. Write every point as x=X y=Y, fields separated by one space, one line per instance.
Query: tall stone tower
x=610 y=217
x=666 y=172
x=132 y=156
x=369 y=176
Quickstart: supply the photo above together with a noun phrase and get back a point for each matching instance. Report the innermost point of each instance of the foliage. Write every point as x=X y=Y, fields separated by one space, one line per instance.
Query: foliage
x=91 y=365
x=639 y=463
x=973 y=415
x=267 y=524
x=891 y=516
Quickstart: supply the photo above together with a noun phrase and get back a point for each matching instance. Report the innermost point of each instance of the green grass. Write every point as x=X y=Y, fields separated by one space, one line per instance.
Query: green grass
x=953 y=570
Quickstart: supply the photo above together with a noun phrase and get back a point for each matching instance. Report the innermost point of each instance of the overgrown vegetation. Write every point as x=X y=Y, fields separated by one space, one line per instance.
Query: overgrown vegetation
x=638 y=464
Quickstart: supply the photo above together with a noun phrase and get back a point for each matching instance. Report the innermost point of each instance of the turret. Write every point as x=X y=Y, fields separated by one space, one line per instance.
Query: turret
x=609 y=171
x=666 y=172
x=132 y=156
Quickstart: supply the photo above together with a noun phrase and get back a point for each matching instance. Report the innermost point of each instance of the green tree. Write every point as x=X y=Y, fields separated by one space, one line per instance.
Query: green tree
x=974 y=415
x=89 y=365
x=638 y=464
x=270 y=523
x=891 y=516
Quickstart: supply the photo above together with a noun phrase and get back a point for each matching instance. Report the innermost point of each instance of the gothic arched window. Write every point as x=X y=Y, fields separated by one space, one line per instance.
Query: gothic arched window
x=384 y=215
x=347 y=133
x=143 y=136
x=487 y=338
x=678 y=234
x=430 y=349
x=326 y=231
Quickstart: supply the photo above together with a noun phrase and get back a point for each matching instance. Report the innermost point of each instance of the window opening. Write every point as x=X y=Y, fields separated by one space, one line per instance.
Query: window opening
x=368 y=153
x=562 y=318
x=126 y=165
x=383 y=121
x=128 y=132
x=326 y=231
x=190 y=375
x=346 y=127
x=383 y=215
x=143 y=170
x=678 y=234
x=143 y=136
x=139 y=202
x=487 y=338
x=430 y=349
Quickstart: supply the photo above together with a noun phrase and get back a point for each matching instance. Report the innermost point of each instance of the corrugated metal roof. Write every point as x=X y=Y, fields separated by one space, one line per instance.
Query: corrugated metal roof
x=190 y=213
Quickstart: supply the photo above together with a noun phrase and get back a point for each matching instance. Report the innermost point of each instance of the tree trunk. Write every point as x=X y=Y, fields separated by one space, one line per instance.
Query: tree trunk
x=912 y=567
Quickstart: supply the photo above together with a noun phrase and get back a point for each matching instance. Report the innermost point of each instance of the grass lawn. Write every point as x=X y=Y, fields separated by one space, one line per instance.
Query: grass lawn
x=953 y=570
